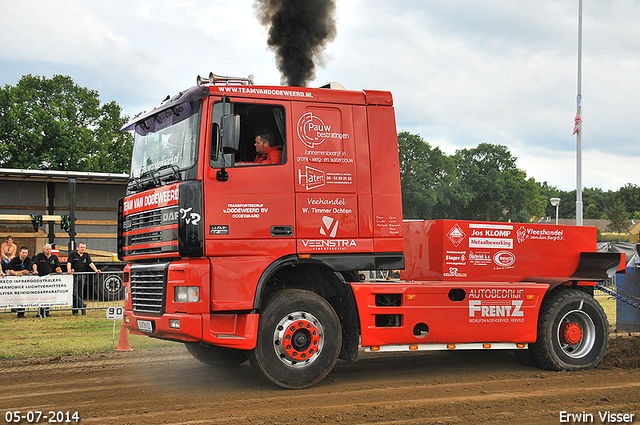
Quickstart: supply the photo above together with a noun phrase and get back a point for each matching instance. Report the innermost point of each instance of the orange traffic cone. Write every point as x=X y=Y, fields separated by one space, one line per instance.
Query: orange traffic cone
x=123 y=341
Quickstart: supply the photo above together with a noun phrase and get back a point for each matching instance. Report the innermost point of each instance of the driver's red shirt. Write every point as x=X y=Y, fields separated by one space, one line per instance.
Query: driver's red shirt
x=273 y=155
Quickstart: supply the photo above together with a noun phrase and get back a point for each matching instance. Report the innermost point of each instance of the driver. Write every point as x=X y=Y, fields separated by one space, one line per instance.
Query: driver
x=267 y=152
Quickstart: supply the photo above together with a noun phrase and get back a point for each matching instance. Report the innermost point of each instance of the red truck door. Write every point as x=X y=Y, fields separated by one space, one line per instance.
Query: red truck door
x=327 y=209
x=249 y=218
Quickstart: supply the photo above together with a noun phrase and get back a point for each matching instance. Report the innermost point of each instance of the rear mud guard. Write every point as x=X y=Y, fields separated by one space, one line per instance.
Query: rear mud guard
x=593 y=267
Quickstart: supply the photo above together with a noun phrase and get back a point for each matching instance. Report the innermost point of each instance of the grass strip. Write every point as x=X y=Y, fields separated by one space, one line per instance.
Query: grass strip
x=63 y=333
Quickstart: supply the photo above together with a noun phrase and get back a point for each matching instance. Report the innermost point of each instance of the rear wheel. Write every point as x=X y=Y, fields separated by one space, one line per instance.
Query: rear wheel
x=216 y=356
x=573 y=332
x=299 y=339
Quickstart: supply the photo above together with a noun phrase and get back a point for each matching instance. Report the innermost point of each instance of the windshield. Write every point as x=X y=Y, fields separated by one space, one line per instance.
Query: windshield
x=168 y=139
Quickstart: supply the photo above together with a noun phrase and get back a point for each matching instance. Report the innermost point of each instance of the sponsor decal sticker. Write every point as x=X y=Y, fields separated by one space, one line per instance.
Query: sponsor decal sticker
x=245 y=210
x=453 y=272
x=480 y=258
x=524 y=233
x=504 y=259
x=312 y=131
x=491 y=243
x=456 y=235
x=219 y=229
x=496 y=305
x=158 y=198
x=497 y=236
x=456 y=258
x=312 y=178
x=329 y=226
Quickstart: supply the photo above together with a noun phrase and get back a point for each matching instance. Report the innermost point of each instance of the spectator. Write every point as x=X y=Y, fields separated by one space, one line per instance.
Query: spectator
x=43 y=264
x=80 y=261
x=8 y=251
x=20 y=266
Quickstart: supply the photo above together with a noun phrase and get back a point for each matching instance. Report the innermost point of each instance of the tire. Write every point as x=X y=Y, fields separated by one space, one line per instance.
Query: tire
x=573 y=332
x=216 y=356
x=299 y=339
x=110 y=287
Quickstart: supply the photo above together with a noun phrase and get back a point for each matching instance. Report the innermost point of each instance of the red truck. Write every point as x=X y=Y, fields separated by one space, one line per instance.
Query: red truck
x=245 y=260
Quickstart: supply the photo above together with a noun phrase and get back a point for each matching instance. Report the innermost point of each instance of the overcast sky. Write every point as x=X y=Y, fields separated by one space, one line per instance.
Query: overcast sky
x=462 y=72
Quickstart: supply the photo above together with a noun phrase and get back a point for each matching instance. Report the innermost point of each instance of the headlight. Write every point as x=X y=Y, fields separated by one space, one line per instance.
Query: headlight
x=186 y=294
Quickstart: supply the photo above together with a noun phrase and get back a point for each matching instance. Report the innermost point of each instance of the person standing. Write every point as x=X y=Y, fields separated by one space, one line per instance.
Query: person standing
x=7 y=252
x=20 y=266
x=43 y=264
x=80 y=261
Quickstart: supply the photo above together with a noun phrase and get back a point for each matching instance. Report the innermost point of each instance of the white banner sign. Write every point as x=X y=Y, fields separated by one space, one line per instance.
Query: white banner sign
x=54 y=290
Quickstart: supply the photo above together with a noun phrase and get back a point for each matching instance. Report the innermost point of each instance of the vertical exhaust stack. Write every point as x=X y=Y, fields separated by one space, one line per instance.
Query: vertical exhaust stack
x=299 y=30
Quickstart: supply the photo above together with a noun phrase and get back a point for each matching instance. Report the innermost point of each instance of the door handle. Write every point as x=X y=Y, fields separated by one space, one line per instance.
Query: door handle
x=279 y=231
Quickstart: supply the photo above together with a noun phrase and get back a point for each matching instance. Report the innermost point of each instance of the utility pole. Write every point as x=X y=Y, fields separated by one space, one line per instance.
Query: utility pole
x=577 y=129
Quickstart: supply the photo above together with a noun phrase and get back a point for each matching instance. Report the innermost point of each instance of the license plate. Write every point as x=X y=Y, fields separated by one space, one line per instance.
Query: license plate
x=145 y=325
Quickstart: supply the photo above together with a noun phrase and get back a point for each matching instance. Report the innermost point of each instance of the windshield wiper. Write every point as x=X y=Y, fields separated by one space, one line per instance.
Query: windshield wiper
x=175 y=171
x=145 y=178
x=155 y=176
x=137 y=182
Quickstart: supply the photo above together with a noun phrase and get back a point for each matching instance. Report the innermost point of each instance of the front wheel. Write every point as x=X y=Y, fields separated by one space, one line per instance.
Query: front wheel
x=299 y=339
x=573 y=332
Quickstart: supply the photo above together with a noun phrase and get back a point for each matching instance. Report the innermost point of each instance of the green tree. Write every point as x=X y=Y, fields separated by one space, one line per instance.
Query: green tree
x=618 y=219
x=54 y=124
x=548 y=192
x=592 y=212
x=427 y=176
x=500 y=191
x=629 y=195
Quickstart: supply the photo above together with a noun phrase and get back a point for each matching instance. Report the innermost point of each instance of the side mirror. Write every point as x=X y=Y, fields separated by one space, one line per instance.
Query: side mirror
x=230 y=132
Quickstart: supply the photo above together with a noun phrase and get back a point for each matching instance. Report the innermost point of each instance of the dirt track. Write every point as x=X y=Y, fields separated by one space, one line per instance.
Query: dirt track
x=168 y=386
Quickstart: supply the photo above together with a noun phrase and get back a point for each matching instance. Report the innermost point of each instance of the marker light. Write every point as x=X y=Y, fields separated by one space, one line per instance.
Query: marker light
x=375 y=348
x=451 y=346
x=411 y=297
x=520 y=345
x=186 y=294
x=529 y=297
x=413 y=347
x=486 y=345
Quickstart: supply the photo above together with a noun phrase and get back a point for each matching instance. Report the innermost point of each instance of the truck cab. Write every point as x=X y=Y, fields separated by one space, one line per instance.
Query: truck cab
x=241 y=258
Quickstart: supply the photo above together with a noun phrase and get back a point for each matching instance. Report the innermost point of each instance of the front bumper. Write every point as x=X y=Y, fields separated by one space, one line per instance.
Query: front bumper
x=226 y=330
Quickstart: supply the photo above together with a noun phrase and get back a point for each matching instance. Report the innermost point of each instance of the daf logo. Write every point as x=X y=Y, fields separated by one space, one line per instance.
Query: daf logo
x=169 y=216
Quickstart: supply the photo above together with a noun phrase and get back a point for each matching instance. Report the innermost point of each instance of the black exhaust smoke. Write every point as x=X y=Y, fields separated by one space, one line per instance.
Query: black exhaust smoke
x=298 y=32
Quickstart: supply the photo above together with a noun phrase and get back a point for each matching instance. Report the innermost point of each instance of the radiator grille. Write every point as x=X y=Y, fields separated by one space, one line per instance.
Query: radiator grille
x=161 y=235
x=148 y=284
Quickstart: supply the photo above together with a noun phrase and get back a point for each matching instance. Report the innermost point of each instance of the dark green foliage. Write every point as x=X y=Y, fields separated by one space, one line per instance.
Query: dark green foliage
x=54 y=124
x=428 y=177
x=474 y=184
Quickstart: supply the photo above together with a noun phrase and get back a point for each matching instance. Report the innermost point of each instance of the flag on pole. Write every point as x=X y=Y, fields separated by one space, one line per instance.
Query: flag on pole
x=576 y=125
x=578 y=119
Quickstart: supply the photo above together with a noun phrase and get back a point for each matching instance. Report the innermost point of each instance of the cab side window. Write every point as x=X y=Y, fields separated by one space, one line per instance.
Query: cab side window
x=262 y=135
